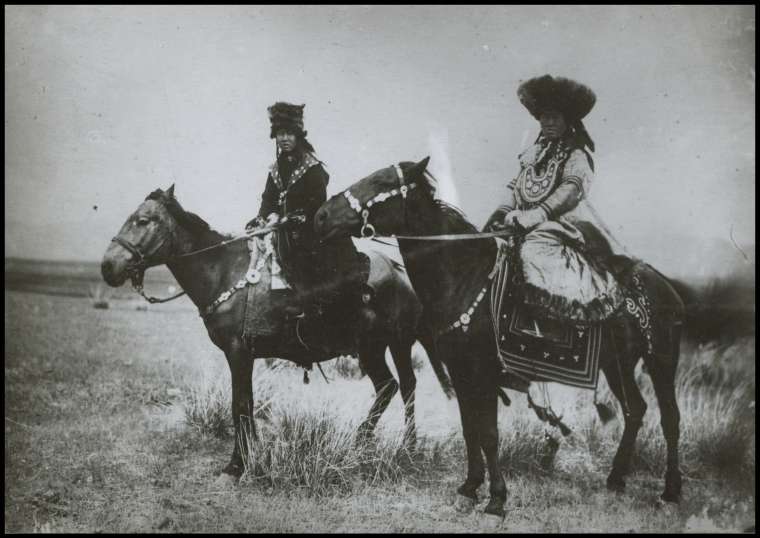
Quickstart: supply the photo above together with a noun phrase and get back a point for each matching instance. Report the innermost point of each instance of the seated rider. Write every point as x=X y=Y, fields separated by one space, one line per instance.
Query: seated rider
x=327 y=277
x=561 y=277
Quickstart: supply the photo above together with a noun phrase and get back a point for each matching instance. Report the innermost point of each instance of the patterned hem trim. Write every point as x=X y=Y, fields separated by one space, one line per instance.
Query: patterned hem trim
x=560 y=308
x=543 y=205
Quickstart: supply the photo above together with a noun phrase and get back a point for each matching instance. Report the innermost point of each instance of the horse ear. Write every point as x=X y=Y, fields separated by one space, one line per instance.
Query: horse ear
x=170 y=191
x=419 y=168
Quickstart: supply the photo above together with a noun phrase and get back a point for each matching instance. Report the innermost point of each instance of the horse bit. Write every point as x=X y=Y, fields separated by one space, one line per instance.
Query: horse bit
x=137 y=271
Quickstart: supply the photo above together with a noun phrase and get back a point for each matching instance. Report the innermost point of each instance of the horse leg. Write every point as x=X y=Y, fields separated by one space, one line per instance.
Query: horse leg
x=426 y=340
x=662 y=370
x=372 y=360
x=619 y=371
x=241 y=369
x=402 y=358
x=468 y=411
x=489 y=442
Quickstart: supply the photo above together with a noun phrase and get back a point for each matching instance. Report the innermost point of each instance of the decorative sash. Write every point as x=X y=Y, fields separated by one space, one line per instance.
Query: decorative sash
x=308 y=161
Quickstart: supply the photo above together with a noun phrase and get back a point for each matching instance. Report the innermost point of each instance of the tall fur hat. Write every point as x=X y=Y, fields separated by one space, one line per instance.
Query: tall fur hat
x=572 y=98
x=286 y=116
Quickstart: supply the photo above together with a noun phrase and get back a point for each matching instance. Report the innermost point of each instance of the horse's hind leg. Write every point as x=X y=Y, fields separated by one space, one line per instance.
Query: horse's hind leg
x=662 y=370
x=619 y=370
x=372 y=360
x=402 y=358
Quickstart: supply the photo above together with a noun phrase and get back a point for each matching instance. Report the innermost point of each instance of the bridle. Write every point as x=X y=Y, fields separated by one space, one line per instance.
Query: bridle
x=142 y=262
x=367 y=230
x=137 y=270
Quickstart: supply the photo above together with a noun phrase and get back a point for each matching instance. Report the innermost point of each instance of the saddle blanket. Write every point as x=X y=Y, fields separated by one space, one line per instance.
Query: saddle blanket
x=541 y=349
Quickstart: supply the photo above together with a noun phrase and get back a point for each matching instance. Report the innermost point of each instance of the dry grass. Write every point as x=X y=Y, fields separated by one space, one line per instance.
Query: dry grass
x=118 y=420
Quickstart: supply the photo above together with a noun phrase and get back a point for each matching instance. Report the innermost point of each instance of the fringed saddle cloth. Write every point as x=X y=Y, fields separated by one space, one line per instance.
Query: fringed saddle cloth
x=549 y=350
x=543 y=350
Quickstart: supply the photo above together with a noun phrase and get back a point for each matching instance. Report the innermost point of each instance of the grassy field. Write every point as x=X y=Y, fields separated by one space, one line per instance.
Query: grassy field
x=117 y=420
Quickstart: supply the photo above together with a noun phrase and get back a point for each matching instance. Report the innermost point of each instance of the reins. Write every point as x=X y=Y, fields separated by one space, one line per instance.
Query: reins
x=143 y=263
x=449 y=237
x=368 y=230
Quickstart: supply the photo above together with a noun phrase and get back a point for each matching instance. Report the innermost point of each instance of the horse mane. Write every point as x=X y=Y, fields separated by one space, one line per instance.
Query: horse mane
x=451 y=216
x=188 y=220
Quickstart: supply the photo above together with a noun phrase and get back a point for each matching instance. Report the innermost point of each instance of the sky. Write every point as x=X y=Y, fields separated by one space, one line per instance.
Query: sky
x=103 y=104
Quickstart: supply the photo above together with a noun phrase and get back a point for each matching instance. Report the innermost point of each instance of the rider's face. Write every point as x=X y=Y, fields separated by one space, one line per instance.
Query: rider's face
x=286 y=140
x=553 y=124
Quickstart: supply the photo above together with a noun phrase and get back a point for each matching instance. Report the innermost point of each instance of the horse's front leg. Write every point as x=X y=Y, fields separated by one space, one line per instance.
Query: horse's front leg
x=241 y=368
x=468 y=411
x=489 y=442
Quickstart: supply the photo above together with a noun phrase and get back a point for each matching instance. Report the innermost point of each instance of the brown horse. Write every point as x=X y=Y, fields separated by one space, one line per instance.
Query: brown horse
x=448 y=275
x=160 y=232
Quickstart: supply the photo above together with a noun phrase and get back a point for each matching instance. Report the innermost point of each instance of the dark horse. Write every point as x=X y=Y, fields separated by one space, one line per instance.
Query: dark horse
x=447 y=276
x=160 y=230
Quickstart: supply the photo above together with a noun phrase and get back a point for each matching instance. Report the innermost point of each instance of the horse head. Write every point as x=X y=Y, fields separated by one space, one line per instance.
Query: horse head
x=377 y=203
x=146 y=239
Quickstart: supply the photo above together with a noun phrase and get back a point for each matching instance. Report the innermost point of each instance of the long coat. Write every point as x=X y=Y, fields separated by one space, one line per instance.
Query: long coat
x=559 y=278
x=312 y=268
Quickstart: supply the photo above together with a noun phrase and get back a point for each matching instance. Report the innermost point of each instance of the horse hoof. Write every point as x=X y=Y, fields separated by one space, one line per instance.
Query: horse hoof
x=666 y=507
x=672 y=493
x=464 y=505
x=226 y=481
x=233 y=469
x=491 y=522
x=615 y=484
x=668 y=499
x=495 y=508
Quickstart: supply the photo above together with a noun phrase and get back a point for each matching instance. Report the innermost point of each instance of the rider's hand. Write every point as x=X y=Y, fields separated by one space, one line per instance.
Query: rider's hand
x=496 y=226
x=510 y=218
x=257 y=222
x=272 y=219
x=527 y=219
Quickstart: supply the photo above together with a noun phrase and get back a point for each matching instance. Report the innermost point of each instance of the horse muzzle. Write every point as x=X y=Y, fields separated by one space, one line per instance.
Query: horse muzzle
x=117 y=265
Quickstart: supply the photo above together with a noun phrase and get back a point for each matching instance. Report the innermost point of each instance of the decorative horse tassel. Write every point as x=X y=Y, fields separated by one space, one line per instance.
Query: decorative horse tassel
x=305 y=376
x=605 y=412
x=504 y=398
x=548 y=415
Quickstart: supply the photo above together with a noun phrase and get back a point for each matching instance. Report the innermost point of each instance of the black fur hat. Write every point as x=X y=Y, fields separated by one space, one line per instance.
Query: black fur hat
x=286 y=116
x=573 y=99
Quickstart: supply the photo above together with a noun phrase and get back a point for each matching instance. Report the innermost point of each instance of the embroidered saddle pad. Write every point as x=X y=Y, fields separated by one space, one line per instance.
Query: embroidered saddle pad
x=541 y=349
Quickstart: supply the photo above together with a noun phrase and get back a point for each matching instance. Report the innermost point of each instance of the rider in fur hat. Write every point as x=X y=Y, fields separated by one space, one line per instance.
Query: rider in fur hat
x=328 y=277
x=561 y=280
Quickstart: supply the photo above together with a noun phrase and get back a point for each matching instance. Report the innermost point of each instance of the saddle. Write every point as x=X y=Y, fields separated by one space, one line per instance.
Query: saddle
x=324 y=330
x=550 y=349
x=331 y=329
